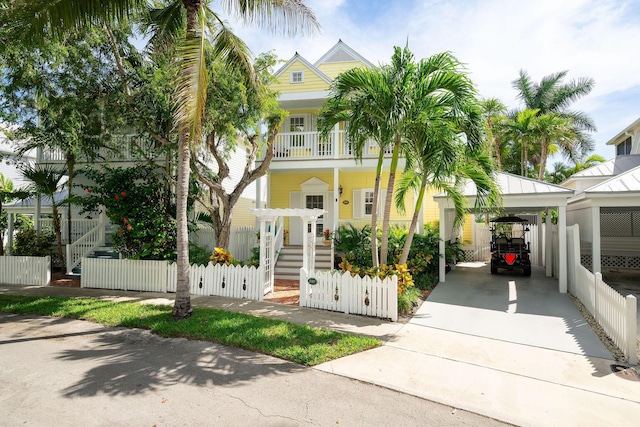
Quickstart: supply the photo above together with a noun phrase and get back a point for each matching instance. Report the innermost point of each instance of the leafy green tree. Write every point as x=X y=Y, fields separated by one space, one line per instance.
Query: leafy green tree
x=190 y=24
x=56 y=95
x=233 y=119
x=562 y=172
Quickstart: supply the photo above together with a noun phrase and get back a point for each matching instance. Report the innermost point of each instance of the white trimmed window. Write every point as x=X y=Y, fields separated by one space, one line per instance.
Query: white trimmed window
x=296 y=76
x=624 y=147
x=363 y=202
x=367 y=201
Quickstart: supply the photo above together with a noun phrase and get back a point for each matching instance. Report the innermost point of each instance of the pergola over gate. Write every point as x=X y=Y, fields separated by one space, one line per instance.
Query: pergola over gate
x=272 y=237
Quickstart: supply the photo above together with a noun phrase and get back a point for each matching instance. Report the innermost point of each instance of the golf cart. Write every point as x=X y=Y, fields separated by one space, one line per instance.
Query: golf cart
x=508 y=247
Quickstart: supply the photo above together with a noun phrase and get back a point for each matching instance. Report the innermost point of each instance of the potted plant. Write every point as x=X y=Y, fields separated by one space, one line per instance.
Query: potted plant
x=327 y=236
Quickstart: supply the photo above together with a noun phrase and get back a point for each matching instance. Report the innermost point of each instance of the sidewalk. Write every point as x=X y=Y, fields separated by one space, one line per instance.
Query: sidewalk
x=512 y=382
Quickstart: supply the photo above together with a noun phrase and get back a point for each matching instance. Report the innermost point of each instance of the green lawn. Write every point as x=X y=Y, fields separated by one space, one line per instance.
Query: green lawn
x=300 y=344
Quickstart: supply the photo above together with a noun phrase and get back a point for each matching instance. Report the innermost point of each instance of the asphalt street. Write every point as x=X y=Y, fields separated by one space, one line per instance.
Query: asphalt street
x=74 y=373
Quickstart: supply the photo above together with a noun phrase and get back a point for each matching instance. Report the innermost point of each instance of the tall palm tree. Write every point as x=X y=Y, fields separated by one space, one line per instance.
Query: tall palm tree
x=553 y=132
x=520 y=130
x=192 y=24
x=552 y=95
x=361 y=98
x=493 y=110
x=46 y=180
x=444 y=155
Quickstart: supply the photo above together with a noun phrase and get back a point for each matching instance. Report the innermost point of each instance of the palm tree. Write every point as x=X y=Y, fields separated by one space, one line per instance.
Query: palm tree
x=191 y=24
x=551 y=95
x=553 y=132
x=46 y=180
x=493 y=111
x=362 y=99
x=520 y=131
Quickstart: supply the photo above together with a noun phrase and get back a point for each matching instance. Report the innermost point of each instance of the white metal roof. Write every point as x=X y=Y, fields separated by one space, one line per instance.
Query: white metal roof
x=510 y=184
x=615 y=166
x=622 y=183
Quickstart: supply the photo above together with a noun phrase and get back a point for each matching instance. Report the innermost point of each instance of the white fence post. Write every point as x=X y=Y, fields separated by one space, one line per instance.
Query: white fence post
x=631 y=308
x=303 y=288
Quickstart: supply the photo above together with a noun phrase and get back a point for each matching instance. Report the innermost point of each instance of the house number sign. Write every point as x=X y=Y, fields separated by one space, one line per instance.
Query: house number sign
x=312 y=281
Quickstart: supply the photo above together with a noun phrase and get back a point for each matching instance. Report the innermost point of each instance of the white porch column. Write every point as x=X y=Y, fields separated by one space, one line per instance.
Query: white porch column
x=540 y=240
x=336 y=141
x=258 y=193
x=336 y=198
x=263 y=247
x=548 y=244
x=442 y=259
x=596 y=252
x=562 y=249
x=312 y=245
x=305 y=243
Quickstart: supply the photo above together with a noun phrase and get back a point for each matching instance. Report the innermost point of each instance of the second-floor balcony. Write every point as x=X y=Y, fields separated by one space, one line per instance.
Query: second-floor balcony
x=309 y=145
x=118 y=149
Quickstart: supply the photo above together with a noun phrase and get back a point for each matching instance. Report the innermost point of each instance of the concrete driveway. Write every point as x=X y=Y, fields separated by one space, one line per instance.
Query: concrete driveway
x=509 y=307
x=504 y=346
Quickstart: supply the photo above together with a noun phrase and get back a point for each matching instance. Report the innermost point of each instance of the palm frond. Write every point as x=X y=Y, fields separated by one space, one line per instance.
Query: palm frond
x=288 y=17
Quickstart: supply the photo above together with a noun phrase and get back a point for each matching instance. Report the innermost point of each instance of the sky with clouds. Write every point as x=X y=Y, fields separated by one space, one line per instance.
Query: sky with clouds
x=495 y=38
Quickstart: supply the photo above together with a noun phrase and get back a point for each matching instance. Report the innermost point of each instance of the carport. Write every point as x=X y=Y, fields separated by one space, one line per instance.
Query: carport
x=520 y=195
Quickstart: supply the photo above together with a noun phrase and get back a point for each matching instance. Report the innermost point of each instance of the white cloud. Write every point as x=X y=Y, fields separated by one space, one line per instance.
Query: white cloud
x=495 y=38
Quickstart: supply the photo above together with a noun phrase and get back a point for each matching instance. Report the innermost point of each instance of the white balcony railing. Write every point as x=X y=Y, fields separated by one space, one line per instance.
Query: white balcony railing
x=309 y=145
x=119 y=149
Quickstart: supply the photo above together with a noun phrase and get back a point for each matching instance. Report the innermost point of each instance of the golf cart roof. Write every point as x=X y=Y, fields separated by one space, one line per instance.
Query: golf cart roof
x=510 y=219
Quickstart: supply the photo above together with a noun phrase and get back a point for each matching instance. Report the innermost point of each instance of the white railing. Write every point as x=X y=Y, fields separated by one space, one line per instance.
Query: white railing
x=161 y=276
x=84 y=246
x=241 y=240
x=122 y=149
x=614 y=312
x=25 y=270
x=309 y=145
x=334 y=291
x=79 y=227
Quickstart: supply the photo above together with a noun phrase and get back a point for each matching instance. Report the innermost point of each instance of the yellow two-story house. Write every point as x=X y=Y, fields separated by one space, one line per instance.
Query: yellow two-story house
x=310 y=172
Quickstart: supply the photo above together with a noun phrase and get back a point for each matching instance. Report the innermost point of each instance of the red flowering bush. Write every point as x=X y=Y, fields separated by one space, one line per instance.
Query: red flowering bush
x=142 y=210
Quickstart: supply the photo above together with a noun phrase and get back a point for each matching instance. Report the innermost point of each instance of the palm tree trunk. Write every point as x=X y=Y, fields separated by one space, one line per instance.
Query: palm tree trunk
x=384 y=248
x=182 y=306
x=70 y=165
x=544 y=152
x=414 y=221
x=374 y=211
x=58 y=231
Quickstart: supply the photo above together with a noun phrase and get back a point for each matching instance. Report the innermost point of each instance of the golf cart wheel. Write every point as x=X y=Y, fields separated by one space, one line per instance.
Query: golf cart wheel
x=526 y=271
x=494 y=268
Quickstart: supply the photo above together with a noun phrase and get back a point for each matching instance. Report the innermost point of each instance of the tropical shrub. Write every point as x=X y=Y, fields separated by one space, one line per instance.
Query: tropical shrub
x=354 y=245
x=137 y=202
x=221 y=256
x=28 y=243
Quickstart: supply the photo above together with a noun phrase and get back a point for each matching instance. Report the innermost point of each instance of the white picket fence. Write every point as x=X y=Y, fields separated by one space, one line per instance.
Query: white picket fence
x=614 y=312
x=220 y=280
x=327 y=290
x=25 y=270
x=161 y=276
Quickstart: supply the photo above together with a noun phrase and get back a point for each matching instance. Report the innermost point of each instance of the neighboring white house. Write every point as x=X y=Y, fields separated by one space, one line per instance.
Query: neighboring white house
x=606 y=205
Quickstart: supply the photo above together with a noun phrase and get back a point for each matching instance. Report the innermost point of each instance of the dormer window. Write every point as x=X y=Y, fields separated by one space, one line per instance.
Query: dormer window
x=296 y=77
x=624 y=147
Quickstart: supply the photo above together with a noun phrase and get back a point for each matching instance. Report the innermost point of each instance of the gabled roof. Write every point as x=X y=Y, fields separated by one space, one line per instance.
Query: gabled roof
x=309 y=65
x=615 y=166
x=631 y=127
x=628 y=181
x=341 y=52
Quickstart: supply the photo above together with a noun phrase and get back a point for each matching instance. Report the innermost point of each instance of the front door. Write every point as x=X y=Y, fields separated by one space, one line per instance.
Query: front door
x=315 y=201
